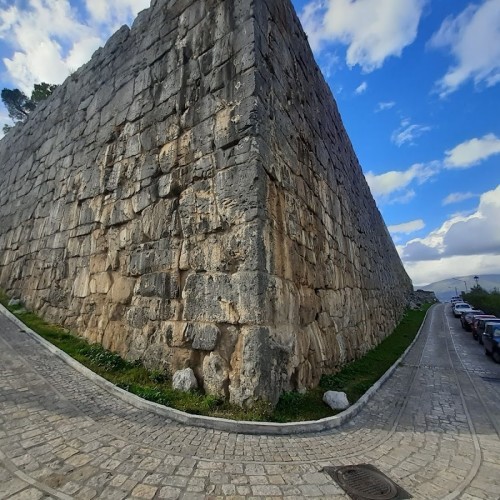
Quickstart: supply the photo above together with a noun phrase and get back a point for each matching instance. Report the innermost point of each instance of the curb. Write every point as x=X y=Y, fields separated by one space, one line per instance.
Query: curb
x=219 y=424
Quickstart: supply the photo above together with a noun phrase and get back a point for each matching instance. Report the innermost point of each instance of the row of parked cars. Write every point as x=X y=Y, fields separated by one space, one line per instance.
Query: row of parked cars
x=485 y=328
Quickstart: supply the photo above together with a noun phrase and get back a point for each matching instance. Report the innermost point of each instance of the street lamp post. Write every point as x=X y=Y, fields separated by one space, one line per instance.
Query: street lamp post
x=464 y=282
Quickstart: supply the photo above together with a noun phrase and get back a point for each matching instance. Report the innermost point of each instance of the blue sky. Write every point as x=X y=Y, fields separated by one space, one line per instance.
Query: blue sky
x=417 y=83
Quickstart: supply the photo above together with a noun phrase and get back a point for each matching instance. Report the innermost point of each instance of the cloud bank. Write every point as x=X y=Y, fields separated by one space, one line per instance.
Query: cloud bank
x=372 y=30
x=472 y=39
x=407 y=227
x=51 y=39
x=472 y=152
x=388 y=183
x=394 y=186
x=408 y=132
x=469 y=243
x=457 y=198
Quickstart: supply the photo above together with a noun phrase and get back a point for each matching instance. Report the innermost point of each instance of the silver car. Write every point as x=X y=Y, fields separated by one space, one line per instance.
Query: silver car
x=461 y=307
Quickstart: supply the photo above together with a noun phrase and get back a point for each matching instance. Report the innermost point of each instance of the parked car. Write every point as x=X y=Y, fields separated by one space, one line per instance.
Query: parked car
x=481 y=325
x=455 y=299
x=461 y=307
x=466 y=318
x=475 y=323
x=491 y=341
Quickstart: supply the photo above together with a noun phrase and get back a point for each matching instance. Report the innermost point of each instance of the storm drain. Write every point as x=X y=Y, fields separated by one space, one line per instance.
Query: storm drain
x=366 y=482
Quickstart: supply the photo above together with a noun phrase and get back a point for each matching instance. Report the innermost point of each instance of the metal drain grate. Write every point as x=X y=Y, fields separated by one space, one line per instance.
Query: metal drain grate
x=366 y=482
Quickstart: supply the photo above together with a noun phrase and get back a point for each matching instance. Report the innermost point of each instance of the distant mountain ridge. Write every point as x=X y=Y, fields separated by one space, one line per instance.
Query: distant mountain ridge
x=445 y=289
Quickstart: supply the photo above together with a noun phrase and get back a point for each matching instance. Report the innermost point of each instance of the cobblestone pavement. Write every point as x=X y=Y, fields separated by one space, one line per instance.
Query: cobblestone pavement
x=433 y=428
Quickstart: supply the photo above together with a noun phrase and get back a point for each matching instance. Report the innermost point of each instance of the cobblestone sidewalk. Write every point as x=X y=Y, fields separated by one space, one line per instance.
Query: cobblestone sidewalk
x=432 y=428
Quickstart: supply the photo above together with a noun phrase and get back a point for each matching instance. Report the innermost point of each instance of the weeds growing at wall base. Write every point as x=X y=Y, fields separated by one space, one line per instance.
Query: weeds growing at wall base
x=354 y=379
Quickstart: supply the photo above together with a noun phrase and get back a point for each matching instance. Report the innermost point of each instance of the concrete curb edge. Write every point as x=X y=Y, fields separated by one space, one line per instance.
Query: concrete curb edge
x=220 y=424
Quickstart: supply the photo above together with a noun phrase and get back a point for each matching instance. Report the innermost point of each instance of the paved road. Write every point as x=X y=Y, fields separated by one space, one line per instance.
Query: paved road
x=434 y=428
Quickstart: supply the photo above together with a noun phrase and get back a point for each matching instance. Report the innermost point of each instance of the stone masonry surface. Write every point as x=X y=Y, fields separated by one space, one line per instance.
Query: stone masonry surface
x=433 y=428
x=190 y=198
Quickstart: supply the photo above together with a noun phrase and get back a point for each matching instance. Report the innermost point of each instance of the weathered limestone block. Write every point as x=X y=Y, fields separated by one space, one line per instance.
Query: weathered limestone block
x=160 y=220
x=204 y=337
x=122 y=290
x=259 y=367
x=215 y=375
x=158 y=285
x=209 y=298
x=82 y=284
x=100 y=283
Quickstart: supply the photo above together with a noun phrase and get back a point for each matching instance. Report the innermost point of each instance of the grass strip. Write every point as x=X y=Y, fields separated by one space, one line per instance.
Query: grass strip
x=354 y=379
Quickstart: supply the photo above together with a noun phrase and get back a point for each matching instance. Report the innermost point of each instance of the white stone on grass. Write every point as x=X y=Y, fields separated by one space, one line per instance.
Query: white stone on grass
x=184 y=380
x=336 y=400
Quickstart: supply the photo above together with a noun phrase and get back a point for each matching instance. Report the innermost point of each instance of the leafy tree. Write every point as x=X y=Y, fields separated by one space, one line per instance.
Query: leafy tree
x=480 y=298
x=19 y=105
x=41 y=91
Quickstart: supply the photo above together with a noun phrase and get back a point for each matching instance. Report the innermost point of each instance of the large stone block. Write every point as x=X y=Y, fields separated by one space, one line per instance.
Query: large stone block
x=203 y=337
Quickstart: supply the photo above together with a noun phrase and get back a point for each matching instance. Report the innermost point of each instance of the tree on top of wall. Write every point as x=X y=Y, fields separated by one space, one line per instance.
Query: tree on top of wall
x=19 y=105
x=41 y=91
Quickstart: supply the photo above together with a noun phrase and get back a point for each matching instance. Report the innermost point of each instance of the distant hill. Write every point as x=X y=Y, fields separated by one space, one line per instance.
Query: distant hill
x=445 y=289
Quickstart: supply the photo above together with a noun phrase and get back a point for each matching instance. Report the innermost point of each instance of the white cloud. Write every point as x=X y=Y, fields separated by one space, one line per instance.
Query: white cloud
x=382 y=106
x=329 y=62
x=4 y=120
x=425 y=272
x=49 y=40
x=468 y=243
x=472 y=152
x=114 y=12
x=37 y=34
x=361 y=89
x=81 y=52
x=402 y=198
x=457 y=198
x=473 y=38
x=394 y=186
x=388 y=183
x=408 y=132
x=373 y=30
x=311 y=18
x=407 y=227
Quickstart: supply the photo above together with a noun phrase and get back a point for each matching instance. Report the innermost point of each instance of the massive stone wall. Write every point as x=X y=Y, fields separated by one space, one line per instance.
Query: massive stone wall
x=190 y=197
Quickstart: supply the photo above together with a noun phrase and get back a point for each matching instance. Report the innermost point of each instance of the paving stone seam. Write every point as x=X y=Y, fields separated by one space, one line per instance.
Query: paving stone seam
x=220 y=424
x=477 y=448
x=29 y=480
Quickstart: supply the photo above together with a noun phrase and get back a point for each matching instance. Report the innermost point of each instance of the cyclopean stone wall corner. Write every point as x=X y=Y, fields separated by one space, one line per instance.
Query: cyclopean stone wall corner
x=190 y=197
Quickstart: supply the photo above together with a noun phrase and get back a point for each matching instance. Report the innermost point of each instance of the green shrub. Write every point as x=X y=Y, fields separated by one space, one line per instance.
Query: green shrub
x=489 y=302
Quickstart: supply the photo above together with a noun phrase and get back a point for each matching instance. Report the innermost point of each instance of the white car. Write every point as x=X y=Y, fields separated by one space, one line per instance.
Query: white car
x=461 y=307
